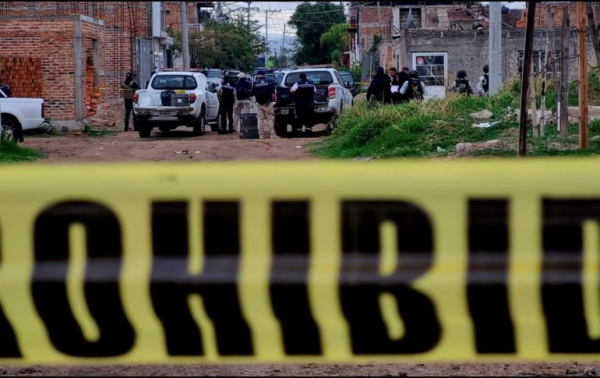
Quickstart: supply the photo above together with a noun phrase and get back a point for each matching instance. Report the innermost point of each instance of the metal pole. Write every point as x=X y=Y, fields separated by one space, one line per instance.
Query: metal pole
x=525 y=78
x=495 y=47
x=184 y=35
x=267 y=11
x=584 y=141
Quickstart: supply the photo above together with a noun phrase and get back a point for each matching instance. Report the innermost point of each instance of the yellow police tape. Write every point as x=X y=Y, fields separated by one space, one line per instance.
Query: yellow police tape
x=298 y=262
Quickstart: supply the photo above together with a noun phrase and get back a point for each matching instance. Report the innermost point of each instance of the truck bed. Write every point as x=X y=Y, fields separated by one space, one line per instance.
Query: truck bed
x=286 y=99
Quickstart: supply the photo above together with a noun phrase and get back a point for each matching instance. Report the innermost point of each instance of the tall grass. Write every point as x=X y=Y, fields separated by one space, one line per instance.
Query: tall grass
x=435 y=127
x=12 y=152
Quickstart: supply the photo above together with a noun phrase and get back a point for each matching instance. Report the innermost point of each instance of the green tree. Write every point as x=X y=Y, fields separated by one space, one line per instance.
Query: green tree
x=338 y=37
x=224 y=44
x=311 y=21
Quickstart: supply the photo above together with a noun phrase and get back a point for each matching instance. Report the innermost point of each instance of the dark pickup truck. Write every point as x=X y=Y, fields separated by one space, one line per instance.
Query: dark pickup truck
x=285 y=109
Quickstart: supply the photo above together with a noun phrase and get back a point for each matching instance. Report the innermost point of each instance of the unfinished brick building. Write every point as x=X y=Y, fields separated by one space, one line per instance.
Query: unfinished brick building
x=82 y=51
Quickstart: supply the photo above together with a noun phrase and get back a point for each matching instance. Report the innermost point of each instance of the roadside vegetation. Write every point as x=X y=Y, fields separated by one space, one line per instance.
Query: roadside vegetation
x=11 y=152
x=443 y=127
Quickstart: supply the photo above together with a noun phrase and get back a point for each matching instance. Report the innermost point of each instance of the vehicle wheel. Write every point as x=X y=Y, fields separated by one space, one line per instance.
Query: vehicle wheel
x=200 y=125
x=280 y=129
x=144 y=129
x=11 y=130
x=164 y=129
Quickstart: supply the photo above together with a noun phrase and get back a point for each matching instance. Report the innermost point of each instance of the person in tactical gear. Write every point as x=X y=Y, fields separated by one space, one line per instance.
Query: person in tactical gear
x=243 y=89
x=129 y=87
x=264 y=93
x=461 y=84
x=413 y=88
x=226 y=100
x=483 y=86
x=379 y=89
x=304 y=98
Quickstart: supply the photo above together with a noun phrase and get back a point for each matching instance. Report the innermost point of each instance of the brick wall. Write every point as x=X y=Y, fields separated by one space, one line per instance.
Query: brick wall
x=50 y=40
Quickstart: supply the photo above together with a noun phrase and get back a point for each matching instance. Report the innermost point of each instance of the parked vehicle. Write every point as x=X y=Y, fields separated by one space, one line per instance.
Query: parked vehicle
x=214 y=75
x=19 y=115
x=176 y=98
x=349 y=82
x=331 y=98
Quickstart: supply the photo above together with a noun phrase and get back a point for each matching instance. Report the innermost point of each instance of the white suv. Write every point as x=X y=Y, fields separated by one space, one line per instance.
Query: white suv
x=196 y=103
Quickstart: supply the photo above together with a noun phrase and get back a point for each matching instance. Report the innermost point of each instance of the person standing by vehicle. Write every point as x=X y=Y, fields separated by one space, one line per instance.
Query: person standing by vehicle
x=379 y=89
x=413 y=88
x=243 y=90
x=461 y=84
x=227 y=100
x=304 y=98
x=129 y=87
x=483 y=86
x=264 y=93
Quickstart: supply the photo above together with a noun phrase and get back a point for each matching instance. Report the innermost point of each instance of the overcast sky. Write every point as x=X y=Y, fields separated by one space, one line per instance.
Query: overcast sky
x=277 y=20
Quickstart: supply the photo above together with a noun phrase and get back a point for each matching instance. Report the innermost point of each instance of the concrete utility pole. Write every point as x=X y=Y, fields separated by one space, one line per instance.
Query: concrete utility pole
x=267 y=11
x=584 y=140
x=184 y=34
x=525 y=77
x=248 y=12
x=495 y=46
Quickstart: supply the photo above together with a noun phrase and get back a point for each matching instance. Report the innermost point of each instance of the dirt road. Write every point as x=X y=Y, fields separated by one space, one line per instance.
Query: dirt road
x=176 y=146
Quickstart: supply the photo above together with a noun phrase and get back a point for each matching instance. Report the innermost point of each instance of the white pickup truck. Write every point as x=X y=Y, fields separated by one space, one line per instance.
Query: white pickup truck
x=331 y=98
x=19 y=115
x=175 y=98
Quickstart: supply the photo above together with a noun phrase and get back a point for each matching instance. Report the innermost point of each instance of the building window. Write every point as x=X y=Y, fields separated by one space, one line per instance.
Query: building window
x=432 y=67
x=412 y=22
x=539 y=58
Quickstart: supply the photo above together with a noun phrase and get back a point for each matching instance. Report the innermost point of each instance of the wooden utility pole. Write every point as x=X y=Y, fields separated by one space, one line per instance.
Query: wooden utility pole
x=563 y=105
x=545 y=71
x=584 y=141
x=593 y=30
x=525 y=78
x=533 y=109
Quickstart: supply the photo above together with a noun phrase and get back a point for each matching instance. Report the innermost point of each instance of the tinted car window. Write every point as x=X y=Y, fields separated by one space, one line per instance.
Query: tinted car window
x=316 y=77
x=346 y=76
x=174 y=82
x=214 y=74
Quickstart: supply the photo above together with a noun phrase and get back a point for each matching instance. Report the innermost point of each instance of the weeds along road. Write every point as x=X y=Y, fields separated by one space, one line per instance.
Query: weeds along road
x=176 y=146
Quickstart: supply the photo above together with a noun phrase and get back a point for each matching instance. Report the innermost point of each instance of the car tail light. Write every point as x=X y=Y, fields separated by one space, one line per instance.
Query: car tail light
x=135 y=98
x=331 y=93
x=43 y=110
x=192 y=98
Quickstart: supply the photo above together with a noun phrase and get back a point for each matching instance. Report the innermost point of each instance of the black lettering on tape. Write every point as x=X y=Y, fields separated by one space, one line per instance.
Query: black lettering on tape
x=361 y=221
x=101 y=287
x=487 y=278
x=563 y=258
x=172 y=284
x=291 y=251
x=9 y=347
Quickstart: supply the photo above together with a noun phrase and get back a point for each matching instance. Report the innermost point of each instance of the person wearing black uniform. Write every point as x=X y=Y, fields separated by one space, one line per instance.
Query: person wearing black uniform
x=304 y=98
x=129 y=87
x=484 y=82
x=379 y=89
x=226 y=100
x=264 y=93
x=413 y=88
x=243 y=89
x=461 y=85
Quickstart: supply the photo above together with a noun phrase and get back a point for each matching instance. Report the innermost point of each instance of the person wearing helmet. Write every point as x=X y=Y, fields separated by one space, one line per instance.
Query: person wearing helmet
x=380 y=89
x=461 y=84
x=129 y=87
x=484 y=82
x=413 y=88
